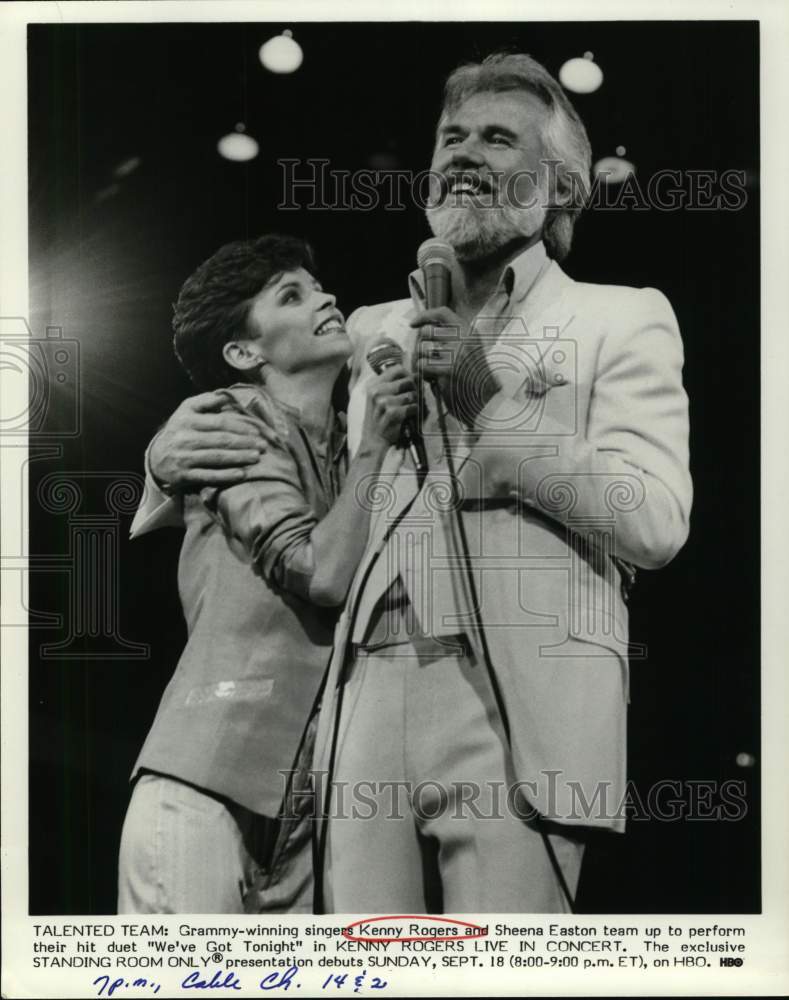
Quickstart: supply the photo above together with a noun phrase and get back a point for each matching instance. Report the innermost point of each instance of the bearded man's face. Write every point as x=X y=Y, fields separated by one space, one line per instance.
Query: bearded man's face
x=489 y=173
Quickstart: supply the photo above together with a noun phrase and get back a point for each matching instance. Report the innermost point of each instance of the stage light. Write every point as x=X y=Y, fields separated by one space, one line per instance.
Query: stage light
x=281 y=54
x=582 y=76
x=238 y=145
x=613 y=169
x=745 y=760
x=106 y=193
x=127 y=167
x=383 y=159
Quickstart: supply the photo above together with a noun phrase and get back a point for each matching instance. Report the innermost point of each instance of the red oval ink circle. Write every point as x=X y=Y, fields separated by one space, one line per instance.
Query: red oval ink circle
x=480 y=931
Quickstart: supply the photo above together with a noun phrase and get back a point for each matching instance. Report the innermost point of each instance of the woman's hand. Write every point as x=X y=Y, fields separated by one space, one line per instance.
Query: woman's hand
x=338 y=540
x=391 y=400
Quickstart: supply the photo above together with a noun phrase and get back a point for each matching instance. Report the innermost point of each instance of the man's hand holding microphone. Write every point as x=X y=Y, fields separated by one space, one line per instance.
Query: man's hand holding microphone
x=448 y=353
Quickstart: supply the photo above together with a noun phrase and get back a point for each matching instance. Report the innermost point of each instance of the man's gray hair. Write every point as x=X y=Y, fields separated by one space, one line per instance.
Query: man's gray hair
x=564 y=137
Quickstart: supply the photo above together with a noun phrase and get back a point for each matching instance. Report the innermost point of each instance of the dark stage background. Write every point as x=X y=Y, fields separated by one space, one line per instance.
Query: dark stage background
x=108 y=252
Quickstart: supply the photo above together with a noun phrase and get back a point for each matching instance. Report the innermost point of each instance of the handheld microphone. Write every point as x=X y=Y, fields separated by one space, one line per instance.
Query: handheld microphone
x=381 y=356
x=435 y=258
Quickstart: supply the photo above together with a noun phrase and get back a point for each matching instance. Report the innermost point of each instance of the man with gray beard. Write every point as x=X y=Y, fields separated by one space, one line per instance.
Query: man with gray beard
x=568 y=429
x=478 y=731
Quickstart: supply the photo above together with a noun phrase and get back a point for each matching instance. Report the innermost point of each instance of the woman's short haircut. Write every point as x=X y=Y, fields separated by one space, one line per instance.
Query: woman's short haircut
x=214 y=302
x=564 y=137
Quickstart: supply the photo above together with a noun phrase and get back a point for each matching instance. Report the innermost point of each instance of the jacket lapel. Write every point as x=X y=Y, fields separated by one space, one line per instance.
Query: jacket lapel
x=545 y=312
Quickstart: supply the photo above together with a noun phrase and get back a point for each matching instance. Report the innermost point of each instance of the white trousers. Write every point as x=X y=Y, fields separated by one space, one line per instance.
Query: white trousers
x=421 y=817
x=183 y=851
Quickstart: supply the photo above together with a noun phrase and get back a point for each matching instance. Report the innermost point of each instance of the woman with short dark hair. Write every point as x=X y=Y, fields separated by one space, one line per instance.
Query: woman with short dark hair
x=264 y=567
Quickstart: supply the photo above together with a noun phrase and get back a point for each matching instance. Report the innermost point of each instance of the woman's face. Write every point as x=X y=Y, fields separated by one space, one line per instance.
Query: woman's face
x=295 y=325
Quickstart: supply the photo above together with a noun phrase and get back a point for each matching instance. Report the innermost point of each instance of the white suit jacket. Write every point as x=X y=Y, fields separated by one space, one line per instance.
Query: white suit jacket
x=573 y=474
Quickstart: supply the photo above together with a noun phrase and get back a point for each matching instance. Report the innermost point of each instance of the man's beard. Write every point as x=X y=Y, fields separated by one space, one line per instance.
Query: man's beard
x=477 y=231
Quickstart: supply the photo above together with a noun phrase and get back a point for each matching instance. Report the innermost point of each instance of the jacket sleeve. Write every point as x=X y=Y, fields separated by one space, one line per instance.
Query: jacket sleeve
x=157 y=509
x=270 y=518
x=630 y=460
x=268 y=514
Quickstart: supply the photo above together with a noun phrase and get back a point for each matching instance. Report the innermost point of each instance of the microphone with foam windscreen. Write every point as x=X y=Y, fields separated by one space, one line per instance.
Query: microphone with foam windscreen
x=381 y=356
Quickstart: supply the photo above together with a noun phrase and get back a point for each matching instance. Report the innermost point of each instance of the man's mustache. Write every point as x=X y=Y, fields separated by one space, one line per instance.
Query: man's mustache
x=475 y=182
